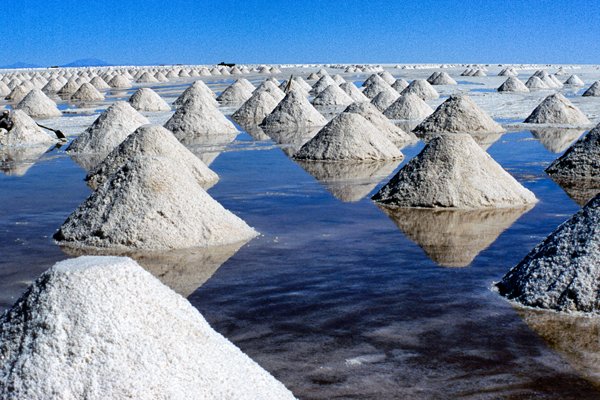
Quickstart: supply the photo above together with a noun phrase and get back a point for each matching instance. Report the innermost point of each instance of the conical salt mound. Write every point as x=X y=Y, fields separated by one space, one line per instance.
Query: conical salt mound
x=351 y=90
x=408 y=106
x=69 y=88
x=380 y=121
x=386 y=76
x=237 y=92
x=293 y=85
x=5 y=90
x=384 y=99
x=19 y=92
x=349 y=137
x=146 y=77
x=197 y=91
x=400 y=85
x=25 y=132
x=535 y=82
x=268 y=86
x=556 y=109
x=373 y=78
x=458 y=114
x=322 y=84
x=332 y=95
x=581 y=161
x=441 y=78
x=574 y=80
x=149 y=203
x=99 y=83
x=377 y=87
x=563 y=272
x=513 y=84
x=104 y=328
x=37 y=105
x=593 y=90
x=421 y=88
x=146 y=99
x=152 y=140
x=119 y=82
x=196 y=117
x=87 y=92
x=452 y=171
x=52 y=86
x=255 y=109
x=108 y=130
x=294 y=111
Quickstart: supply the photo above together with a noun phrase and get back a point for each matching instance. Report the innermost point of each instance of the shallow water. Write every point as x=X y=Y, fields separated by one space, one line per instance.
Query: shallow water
x=338 y=300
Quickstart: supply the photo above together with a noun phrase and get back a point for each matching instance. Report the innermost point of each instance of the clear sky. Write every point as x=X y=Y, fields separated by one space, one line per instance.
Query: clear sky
x=52 y=32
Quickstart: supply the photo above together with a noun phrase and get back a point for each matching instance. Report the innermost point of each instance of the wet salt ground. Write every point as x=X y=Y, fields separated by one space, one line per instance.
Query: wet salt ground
x=334 y=299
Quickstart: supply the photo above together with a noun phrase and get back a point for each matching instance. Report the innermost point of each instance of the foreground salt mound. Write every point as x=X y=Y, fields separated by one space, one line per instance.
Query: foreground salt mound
x=459 y=114
x=292 y=112
x=557 y=109
x=198 y=91
x=563 y=272
x=421 y=88
x=349 y=137
x=593 y=90
x=581 y=161
x=146 y=99
x=25 y=132
x=37 y=105
x=197 y=117
x=452 y=171
x=513 y=84
x=332 y=95
x=108 y=130
x=151 y=203
x=395 y=134
x=256 y=108
x=408 y=106
x=103 y=327
x=237 y=92
x=152 y=140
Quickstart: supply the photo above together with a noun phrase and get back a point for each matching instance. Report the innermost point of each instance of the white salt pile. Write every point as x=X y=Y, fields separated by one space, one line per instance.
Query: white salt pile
x=382 y=123
x=408 y=106
x=421 y=88
x=287 y=86
x=99 y=83
x=197 y=117
x=384 y=99
x=351 y=90
x=119 y=82
x=400 y=85
x=581 y=161
x=513 y=84
x=458 y=114
x=25 y=132
x=374 y=78
x=349 y=137
x=294 y=111
x=256 y=108
x=376 y=87
x=556 y=109
x=69 y=88
x=53 y=86
x=151 y=203
x=146 y=77
x=146 y=99
x=87 y=92
x=237 y=92
x=593 y=90
x=108 y=130
x=268 y=86
x=198 y=91
x=574 y=80
x=338 y=79
x=19 y=92
x=37 y=105
x=452 y=171
x=441 y=78
x=322 y=84
x=563 y=272
x=535 y=82
x=332 y=95
x=152 y=140
x=105 y=328
x=508 y=71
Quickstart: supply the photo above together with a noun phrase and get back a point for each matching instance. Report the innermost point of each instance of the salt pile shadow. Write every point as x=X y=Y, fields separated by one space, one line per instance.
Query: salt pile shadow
x=580 y=190
x=349 y=181
x=291 y=139
x=484 y=140
x=207 y=147
x=576 y=338
x=556 y=140
x=453 y=238
x=16 y=161
x=182 y=270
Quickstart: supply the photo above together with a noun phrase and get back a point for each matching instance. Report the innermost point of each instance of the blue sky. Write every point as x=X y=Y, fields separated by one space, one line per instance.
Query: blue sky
x=251 y=31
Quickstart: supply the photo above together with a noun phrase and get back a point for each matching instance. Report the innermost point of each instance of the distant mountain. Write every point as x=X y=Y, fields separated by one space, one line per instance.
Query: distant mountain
x=87 y=62
x=20 y=65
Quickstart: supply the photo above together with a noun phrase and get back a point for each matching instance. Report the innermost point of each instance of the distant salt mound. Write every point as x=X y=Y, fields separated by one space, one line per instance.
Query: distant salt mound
x=374 y=78
x=386 y=76
x=548 y=79
x=556 y=109
x=513 y=84
x=69 y=88
x=593 y=90
x=237 y=92
x=294 y=111
x=562 y=273
x=421 y=88
x=313 y=77
x=441 y=78
x=535 y=82
x=349 y=137
x=382 y=123
x=272 y=88
x=119 y=82
x=408 y=106
x=509 y=71
x=146 y=99
x=53 y=86
x=87 y=92
x=332 y=95
x=256 y=108
x=108 y=130
x=399 y=85
x=338 y=79
x=452 y=171
x=151 y=204
x=99 y=83
x=81 y=326
x=37 y=105
x=384 y=99
x=147 y=77
x=574 y=80
x=25 y=132
x=287 y=86
x=197 y=118
x=198 y=91
x=458 y=114
x=581 y=161
x=377 y=87
x=351 y=90
x=151 y=140
x=322 y=84
x=19 y=92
